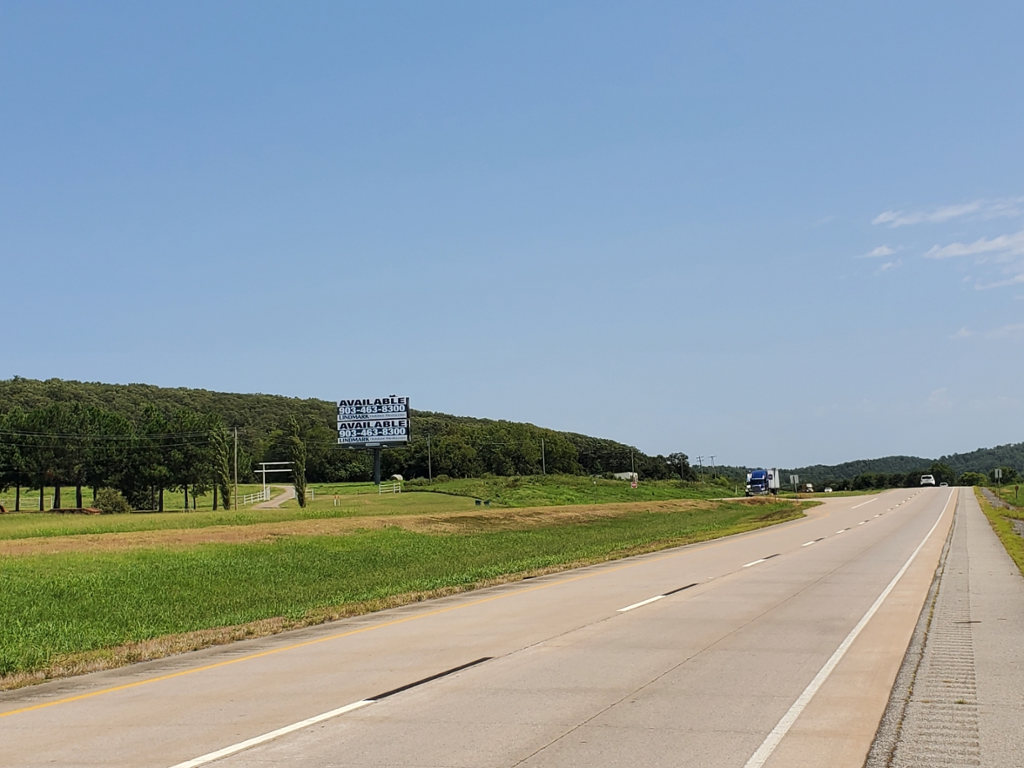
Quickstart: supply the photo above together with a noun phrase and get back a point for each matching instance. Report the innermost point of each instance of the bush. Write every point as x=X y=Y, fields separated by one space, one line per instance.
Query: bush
x=110 y=502
x=972 y=478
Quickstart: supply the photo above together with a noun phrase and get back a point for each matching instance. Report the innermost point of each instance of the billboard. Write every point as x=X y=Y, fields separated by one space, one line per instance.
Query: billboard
x=373 y=422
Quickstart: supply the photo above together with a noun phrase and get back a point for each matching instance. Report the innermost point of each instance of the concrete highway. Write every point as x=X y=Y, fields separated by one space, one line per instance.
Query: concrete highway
x=778 y=647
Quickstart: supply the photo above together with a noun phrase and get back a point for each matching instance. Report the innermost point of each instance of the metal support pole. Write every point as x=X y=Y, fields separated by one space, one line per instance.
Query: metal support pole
x=543 y=461
x=235 y=499
x=430 y=467
x=376 y=466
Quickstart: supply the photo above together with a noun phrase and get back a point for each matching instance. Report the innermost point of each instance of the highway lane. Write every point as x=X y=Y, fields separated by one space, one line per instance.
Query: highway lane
x=699 y=676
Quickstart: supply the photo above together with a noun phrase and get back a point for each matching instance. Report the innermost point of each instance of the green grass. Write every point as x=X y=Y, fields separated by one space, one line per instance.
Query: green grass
x=65 y=604
x=32 y=525
x=1012 y=541
x=553 y=490
x=1009 y=495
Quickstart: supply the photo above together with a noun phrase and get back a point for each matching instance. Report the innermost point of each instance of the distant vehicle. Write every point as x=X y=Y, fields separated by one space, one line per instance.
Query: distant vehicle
x=808 y=488
x=927 y=480
x=762 y=481
x=828 y=490
x=943 y=485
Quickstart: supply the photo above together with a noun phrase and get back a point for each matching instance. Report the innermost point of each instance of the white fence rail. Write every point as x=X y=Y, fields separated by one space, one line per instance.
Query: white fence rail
x=389 y=488
x=253 y=498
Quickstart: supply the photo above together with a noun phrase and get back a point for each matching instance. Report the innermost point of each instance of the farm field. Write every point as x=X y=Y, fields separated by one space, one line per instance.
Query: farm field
x=106 y=604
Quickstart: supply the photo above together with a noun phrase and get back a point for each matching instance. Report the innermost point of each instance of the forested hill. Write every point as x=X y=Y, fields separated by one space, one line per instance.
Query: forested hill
x=983 y=460
x=459 y=446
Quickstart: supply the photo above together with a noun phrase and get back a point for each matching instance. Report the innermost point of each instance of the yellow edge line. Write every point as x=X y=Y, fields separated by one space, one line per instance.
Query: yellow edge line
x=688 y=549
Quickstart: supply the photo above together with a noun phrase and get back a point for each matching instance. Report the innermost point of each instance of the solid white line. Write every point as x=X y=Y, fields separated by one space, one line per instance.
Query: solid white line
x=755 y=562
x=759 y=758
x=866 y=503
x=642 y=602
x=235 y=748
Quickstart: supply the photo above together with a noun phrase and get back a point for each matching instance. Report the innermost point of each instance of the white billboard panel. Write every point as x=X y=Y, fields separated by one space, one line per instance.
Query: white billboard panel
x=373 y=422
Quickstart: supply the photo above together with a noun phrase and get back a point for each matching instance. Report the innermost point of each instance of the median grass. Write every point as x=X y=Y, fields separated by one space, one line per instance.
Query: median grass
x=78 y=611
x=1000 y=520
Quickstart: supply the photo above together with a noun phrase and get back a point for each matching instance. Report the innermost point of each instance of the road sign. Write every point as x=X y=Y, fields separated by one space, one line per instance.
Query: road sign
x=999 y=474
x=632 y=484
x=373 y=422
x=794 y=479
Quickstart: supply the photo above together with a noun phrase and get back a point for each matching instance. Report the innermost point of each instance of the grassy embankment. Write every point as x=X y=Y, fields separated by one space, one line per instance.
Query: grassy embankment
x=74 y=611
x=1000 y=522
x=543 y=490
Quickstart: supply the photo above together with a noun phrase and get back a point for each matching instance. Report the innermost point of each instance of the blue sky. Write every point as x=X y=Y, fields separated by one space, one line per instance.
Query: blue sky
x=777 y=233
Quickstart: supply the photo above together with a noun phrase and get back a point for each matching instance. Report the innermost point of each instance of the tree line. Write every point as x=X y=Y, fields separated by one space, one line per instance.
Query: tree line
x=269 y=428
x=72 y=446
x=942 y=472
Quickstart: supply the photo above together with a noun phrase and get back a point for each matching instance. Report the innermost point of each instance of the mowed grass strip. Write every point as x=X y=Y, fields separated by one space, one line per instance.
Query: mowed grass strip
x=63 y=613
x=999 y=519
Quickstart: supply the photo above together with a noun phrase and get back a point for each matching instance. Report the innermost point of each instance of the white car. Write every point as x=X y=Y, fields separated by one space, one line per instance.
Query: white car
x=828 y=490
x=928 y=480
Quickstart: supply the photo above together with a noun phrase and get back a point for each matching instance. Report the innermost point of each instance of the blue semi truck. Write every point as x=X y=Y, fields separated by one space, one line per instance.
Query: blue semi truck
x=762 y=481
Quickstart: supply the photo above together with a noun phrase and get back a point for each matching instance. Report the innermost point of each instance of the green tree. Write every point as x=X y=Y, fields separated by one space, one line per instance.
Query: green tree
x=972 y=478
x=942 y=473
x=1009 y=476
x=297 y=453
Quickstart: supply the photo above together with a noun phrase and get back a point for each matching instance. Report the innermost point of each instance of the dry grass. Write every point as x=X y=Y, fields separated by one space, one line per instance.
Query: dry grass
x=454 y=523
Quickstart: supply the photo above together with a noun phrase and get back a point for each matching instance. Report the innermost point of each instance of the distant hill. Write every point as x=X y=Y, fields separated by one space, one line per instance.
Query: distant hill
x=982 y=460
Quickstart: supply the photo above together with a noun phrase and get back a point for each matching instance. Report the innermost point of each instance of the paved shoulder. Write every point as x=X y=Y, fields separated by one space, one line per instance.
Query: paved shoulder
x=959 y=697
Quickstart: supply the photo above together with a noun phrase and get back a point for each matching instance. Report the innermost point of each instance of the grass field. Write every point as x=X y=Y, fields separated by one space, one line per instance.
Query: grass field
x=33 y=524
x=1009 y=494
x=541 y=490
x=70 y=612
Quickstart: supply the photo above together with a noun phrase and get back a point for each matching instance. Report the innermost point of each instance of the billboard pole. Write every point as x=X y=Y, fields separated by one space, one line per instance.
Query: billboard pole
x=376 y=466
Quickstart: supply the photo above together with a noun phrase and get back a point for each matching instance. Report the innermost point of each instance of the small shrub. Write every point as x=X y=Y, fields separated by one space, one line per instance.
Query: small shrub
x=110 y=502
x=441 y=478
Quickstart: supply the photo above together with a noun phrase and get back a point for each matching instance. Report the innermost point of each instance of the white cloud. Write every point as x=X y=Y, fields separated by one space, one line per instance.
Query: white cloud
x=984 y=209
x=882 y=250
x=1014 y=331
x=963 y=333
x=1005 y=245
x=889 y=265
x=1015 y=280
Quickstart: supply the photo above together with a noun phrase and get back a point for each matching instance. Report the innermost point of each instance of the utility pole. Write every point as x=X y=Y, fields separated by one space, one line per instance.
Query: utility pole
x=543 y=462
x=713 y=474
x=700 y=463
x=430 y=467
x=234 y=501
